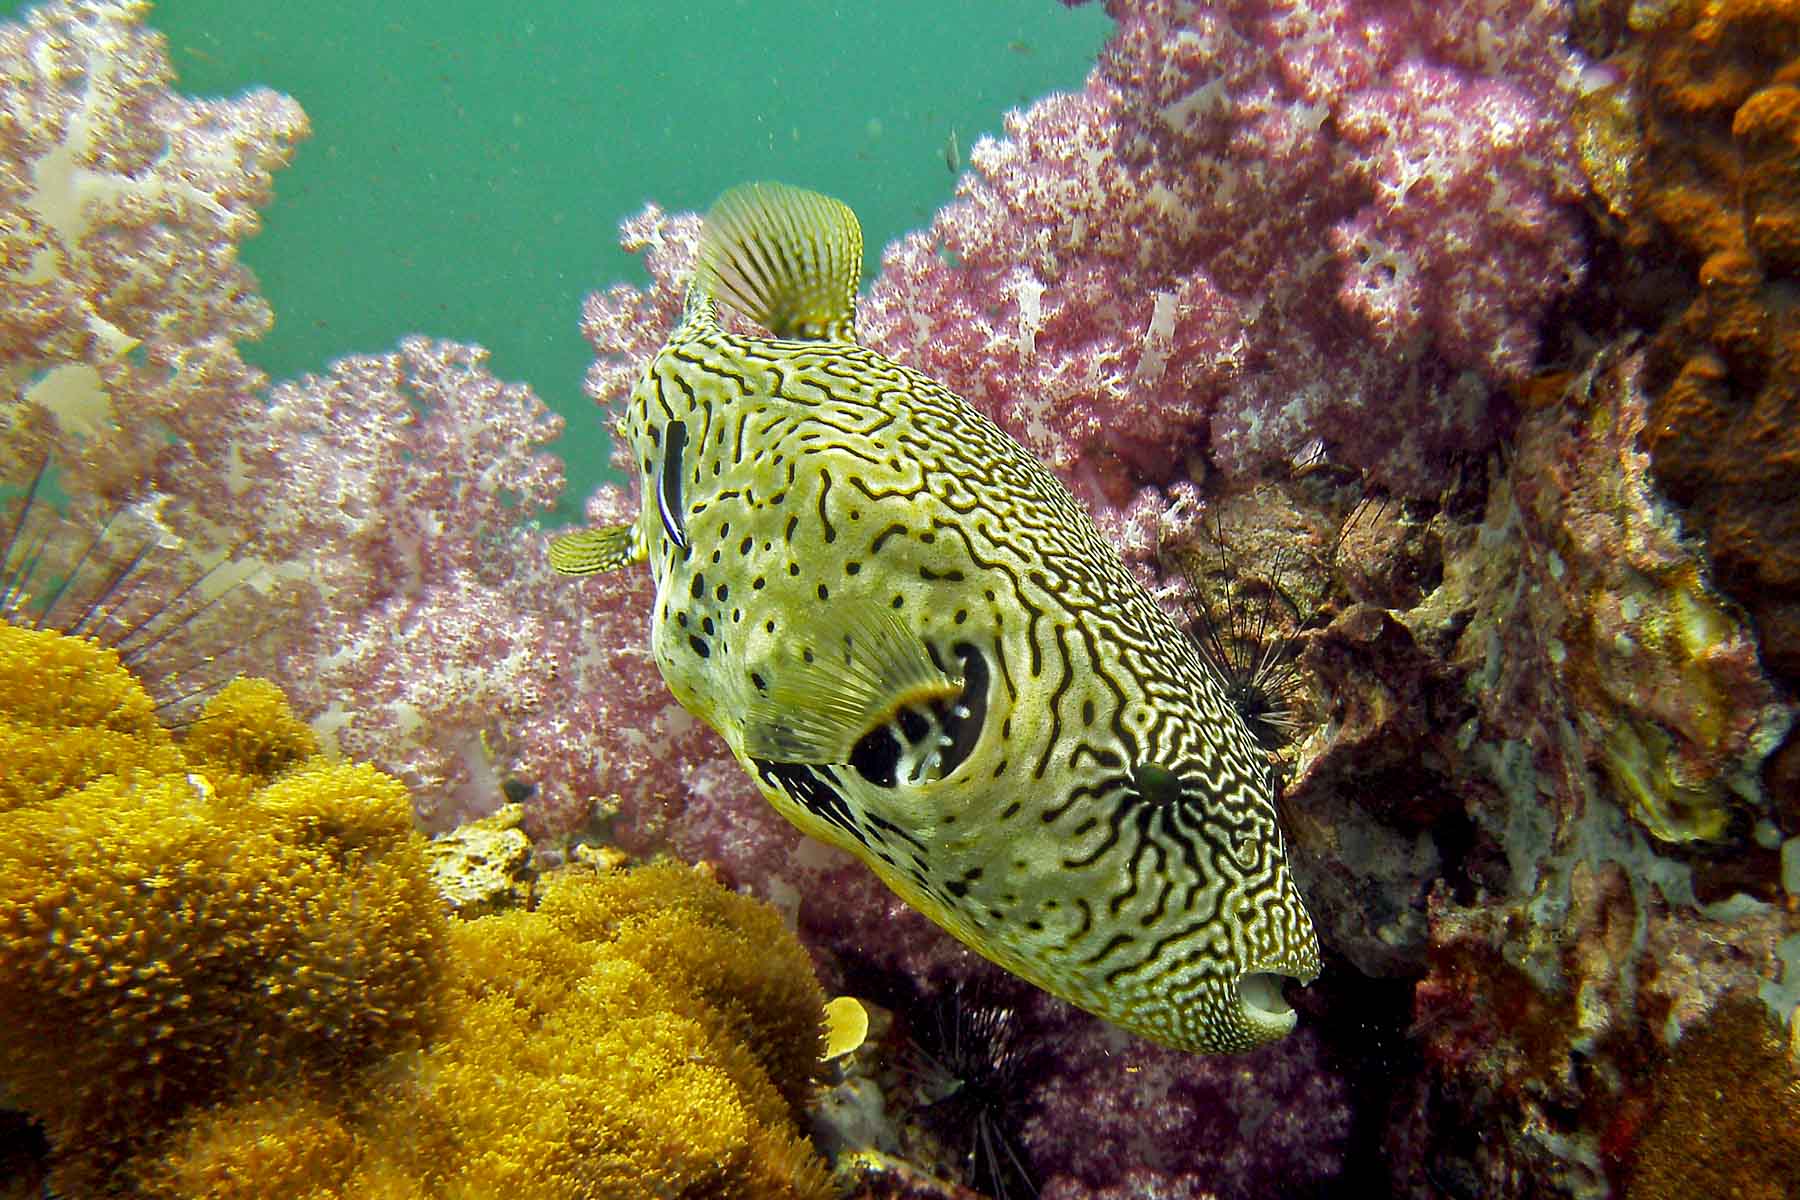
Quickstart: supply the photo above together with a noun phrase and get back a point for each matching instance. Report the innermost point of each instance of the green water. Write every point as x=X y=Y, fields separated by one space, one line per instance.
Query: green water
x=469 y=164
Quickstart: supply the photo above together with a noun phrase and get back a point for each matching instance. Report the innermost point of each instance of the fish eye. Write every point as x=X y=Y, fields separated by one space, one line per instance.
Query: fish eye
x=926 y=742
x=876 y=757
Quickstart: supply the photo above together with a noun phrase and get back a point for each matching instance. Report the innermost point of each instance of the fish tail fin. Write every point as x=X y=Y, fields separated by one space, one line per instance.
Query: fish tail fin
x=592 y=551
x=787 y=258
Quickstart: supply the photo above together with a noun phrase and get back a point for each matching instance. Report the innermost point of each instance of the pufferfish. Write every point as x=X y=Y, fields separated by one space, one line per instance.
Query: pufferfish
x=921 y=649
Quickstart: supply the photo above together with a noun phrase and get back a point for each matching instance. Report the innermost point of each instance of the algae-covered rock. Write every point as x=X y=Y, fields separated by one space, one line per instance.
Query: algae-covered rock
x=484 y=866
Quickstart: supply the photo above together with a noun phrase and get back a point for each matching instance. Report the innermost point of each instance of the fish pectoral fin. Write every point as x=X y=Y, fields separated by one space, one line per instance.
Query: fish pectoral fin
x=787 y=258
x=591 y=551
x=821 y=696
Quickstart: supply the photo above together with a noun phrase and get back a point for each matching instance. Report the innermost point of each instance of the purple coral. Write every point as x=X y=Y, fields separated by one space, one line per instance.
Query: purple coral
x=627 y=326
x=380 y=509
x=1464 y=244
x=1259 y=223
x=388 y=493
x=1273 y=1123
x=121 y=297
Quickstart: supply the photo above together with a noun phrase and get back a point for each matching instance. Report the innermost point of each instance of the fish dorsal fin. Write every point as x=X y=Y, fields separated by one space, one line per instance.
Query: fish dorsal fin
x=787 y=258
x=823 y=694
x=591 y=551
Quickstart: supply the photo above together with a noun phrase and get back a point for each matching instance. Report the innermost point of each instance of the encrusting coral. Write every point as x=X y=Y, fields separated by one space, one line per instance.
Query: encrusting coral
x=1726 y=1120
x=225 y=971
x=1719 y=181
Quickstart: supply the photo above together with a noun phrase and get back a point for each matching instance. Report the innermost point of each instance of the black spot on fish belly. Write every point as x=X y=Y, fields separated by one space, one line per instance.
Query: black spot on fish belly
x=1156 y=783
x=813 y=789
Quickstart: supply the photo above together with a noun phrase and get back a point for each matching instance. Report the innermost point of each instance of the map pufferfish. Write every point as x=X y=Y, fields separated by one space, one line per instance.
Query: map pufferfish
x=917 y=643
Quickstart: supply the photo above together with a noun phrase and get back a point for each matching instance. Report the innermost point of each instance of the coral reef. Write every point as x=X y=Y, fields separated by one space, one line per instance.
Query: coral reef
x=1594 y=706
x=379 y=505
x=1208 y=133
x=984 y=1080
x=181 y=922
x=640 y=1033
x=225 y=971
x=1259 y=223
x=1265 y=290
x=1274 y=1123
x=384 y=499
x=1661 y=674
x=121 y=291
x=1718 y=185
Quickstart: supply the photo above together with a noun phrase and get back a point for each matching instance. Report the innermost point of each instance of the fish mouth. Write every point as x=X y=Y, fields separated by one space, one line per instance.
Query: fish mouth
x=1265 y=1009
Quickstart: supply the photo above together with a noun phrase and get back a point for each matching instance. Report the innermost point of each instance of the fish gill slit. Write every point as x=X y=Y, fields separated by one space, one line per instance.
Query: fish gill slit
x=668 y=485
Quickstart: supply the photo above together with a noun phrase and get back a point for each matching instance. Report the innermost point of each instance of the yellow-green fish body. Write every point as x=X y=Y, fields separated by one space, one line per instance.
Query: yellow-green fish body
x=917 y=643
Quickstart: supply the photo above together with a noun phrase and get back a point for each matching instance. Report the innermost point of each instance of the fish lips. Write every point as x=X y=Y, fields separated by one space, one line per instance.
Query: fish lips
x=1264 y=1014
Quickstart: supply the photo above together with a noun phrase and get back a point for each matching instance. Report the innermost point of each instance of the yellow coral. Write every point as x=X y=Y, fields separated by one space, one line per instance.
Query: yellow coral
x=642 y=1033
x=72 y=714
x=49 y=679
x=224 y=971
x=247 y=731
x=162 y=946
x=574 y=1062
x=730 y=951
x=292 y=1145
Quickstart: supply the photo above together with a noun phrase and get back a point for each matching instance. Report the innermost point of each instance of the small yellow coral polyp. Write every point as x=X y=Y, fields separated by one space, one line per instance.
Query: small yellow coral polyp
x=292 y=1145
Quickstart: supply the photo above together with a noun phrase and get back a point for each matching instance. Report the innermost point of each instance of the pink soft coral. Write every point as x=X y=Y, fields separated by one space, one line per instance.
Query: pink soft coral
x=121 y=297
x=1258 y=224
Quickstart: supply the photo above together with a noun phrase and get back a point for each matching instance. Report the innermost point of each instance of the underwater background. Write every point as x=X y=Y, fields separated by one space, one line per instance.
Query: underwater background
x=468 y=163
x=1432 y=362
